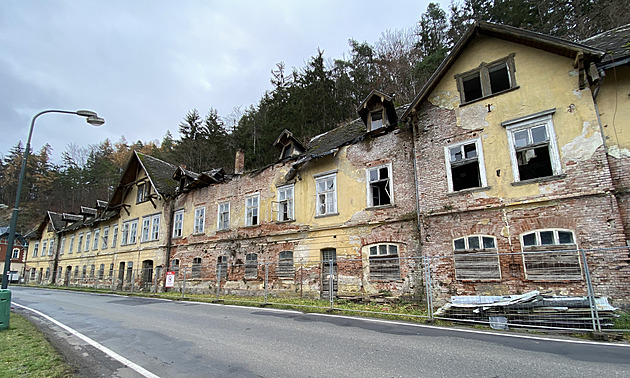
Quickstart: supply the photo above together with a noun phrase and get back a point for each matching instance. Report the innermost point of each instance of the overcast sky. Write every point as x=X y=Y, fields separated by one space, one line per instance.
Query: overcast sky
x=142 y=65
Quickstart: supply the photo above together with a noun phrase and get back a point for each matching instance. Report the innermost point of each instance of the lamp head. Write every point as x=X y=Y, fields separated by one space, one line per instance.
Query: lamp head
x=95 y=120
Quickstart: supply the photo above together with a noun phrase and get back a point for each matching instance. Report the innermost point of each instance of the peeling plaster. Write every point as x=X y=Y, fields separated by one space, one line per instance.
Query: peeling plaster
x=617 y=152
x=549 y=188
x=444 y=99
x=479 y=195
x=473 y=117
x=582 y=148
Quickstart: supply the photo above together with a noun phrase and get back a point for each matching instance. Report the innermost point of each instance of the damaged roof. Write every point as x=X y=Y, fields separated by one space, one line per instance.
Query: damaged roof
x=616 y=44
x=160 y=173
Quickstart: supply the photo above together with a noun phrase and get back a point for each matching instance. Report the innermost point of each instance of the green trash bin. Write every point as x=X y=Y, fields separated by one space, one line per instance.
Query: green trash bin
x=5 y=308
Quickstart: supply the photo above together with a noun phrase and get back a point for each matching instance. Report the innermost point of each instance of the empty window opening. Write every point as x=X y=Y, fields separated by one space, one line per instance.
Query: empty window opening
x=377 y=120
x=380 y=186
x=465 y=168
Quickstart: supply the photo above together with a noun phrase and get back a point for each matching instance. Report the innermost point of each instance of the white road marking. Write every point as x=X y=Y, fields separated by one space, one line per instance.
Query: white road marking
x=144 y=372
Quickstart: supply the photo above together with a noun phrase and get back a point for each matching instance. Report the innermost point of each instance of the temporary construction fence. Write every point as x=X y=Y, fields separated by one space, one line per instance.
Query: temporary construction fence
x=534 y=289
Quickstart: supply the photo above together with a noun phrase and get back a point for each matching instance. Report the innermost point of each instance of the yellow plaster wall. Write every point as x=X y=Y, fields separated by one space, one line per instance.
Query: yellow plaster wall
x=545 y=81
x=613 y=102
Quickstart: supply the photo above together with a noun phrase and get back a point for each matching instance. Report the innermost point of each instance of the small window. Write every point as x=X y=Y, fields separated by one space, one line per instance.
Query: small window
x=285 y=265
x=487 y=80
x=251 y=210
x=178 y=224
x=384 y=262
x=476 y=258
x=379 y=186
x=465 y=168
x=285 y=203
x=223 y=218
x=533 y=148
x=326 y=187
x=551 y=255
x=200 y=220
x=251 y=266
x=175 y=265
x=16 y=254
x=196 y=268
x=376 y=121
x=143 y=192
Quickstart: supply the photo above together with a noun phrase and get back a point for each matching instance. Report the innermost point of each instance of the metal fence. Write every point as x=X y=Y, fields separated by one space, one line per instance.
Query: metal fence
x=553 y=289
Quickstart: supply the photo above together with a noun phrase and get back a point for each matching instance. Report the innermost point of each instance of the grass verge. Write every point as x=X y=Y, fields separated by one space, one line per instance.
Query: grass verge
x=25 y=352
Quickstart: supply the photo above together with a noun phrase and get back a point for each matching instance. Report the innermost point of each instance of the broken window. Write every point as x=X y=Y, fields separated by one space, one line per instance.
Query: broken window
x=533 y=148
x=551 y=255
x=223 y=218
x=200 y=220
x=384 y=262
x=251 y=210
x=376 y=119
x=178 y=223
x=196 y=268
x=285 y=265
x=465 y=168
x=476 y=258
x=251 y=266
x=285 y=203
x=379 y=186
x=487 y=80
x=326 y=187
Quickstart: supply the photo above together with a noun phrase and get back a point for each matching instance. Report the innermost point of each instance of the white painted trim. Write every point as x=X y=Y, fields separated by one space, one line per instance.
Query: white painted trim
x=480 y=162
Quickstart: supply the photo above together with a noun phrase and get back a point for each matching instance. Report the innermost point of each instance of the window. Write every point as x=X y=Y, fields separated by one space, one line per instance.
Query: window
x=88 y=237
x=486 y=80
x=222 y=267
x=200 y=220
x=379 y=185
x=47 y=273
x=326 y=187
x=92 y=270
x=251 y=266
x=196 y=268
x=285 y=203
x=133 y=231
x=476 y=258
x=146 y=224
x=114 y=236
x=551 y=255
x=178 y=224
x=84 y=271
x=51 y=247
x=129 y=271
x=105 y=240
x=251 y=210
x=223 y=218
x=144 y=190
x=376 y=119
x=111 y=270
x=464 y=166
x=384 y=262
x=155 y=227
x=175 y=265
x=80 y=242
x=35 y=249
x=44 y=247
x=285 y=265
x=533 y=148
x=97 y=236
x=16 y=253
x=63 y=245
x=101 y=272
x=124 y=233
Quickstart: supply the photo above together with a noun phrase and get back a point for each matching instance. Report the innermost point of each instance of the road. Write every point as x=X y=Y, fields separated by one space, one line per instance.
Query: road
x=188 y=339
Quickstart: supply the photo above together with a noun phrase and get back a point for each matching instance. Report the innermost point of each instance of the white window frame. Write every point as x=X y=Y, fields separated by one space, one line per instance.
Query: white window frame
x=97 y=237
x=44 y=247
x=88 y=238
x=530 y=253
x=105 y=238
x=369 y=181
x=51 y=247
x=200 y=220
x=35 y=249
x=286 y=198
x=63 y=245
x=155 y=227
x=544 y=118
x=480 y=162
x=71 y=246
x=379 y=123
x=80 y=242
x=15 y=254
x=133 y=231
x=223 y=216
x=124 y=233
x=146 y=226
x=329 y=199
x=252 y=209
x=178 y=223
x=114 y=236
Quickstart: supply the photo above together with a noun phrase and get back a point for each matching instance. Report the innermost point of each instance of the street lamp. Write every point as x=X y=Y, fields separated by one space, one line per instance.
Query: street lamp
x=93 y=119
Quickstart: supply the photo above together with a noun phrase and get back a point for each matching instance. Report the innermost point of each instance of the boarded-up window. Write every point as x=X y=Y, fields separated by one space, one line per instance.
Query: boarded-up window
x=285 y=265
x=476 y=258
x=251 y=266
x=384 y=262
x=551 y=255
x=222 y=267
x=196 y=268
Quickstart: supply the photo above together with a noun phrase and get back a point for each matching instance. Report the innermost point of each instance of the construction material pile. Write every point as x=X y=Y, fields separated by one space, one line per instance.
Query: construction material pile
x=530 y=310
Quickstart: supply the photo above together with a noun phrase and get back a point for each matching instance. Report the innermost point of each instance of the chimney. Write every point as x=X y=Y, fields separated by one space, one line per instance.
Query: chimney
x=239 y=162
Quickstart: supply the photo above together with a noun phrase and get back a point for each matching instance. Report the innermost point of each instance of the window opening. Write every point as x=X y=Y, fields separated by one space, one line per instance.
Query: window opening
x=251 y=266
x=222 y=267
x=551 y=255
x=200 y=220
x=251 y=207
x=286 y=268
x=285 y=203
x=196 y=268
x=380 y=186
x=377 y=119
x=476 y=258
x=384 y=262
x=326 y=195
x=178 y=224
x=465 y=166
x=223 y=222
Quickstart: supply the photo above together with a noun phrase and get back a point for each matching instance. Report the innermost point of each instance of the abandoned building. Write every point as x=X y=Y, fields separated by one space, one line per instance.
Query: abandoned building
x=507 y=173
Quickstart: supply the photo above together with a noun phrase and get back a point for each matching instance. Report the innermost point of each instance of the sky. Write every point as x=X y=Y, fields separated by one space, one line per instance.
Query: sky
x=142 y=65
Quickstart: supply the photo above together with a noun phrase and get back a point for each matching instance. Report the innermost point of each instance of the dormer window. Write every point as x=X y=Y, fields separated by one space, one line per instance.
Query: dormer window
x=143 y=192
x=487 y=80
x=288 y=145
x=377 y=111
x=376 y=121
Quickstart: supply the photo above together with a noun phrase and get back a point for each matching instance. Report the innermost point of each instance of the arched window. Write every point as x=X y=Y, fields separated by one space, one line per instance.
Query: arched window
x=551 y=255
x=384 y=262
x=476 y=258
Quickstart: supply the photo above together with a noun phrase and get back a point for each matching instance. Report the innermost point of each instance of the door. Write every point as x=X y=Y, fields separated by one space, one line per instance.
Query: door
x=147 y=274
x=329 y=260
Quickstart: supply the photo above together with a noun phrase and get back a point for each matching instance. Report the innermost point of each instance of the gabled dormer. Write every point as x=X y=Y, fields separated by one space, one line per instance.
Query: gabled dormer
x=288 y=145
x=377 y=111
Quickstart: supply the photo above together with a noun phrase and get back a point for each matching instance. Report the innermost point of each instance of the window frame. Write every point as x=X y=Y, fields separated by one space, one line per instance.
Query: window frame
x=155 y=227
x=15 y=254
x=62 y=245
x=252 y=211
x=290 y=203
x=96 y=241
x=369 y=183
x=483 y=72
x=105 y=237
x=143 y=192
x=332 y=193
x=35 y=249
x=489 y=255
x=480 y=163
x=44 y=248
x=286 y=265
x=251 y=266
x=88 y=239
x=178 y=224
x=565 y=250
x=223 y=224
x=114 y=235
x=544 y=118
x=384 y=261
x=383 y=120
x=51 y=247
x=200 y=220
x=146 y=227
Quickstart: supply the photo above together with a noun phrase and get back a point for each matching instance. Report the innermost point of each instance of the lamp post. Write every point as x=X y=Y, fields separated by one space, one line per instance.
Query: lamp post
x=93 y=119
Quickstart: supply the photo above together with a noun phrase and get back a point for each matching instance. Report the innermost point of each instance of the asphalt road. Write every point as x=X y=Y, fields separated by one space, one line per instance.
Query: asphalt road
x=184 y=339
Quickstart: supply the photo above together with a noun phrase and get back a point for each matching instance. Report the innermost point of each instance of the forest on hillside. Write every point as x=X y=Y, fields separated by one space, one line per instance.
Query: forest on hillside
x=307 y=100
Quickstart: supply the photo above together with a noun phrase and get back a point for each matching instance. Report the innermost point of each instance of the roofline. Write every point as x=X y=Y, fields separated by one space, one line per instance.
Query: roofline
x=499 y=31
